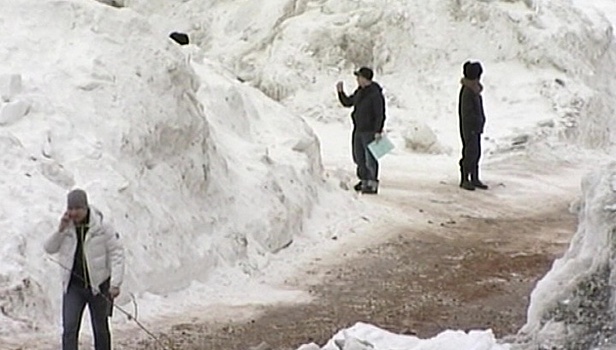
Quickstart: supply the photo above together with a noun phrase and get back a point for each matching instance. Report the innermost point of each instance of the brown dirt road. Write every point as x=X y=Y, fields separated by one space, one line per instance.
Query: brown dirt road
x=470 y=263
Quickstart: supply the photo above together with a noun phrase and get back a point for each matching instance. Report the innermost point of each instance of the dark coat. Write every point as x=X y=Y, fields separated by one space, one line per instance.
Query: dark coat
x=369 y=108
x=470 y=108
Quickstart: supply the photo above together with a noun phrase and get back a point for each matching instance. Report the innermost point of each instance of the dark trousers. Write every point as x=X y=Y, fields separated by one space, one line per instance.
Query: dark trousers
x=73 y=305
x=367 y=164
x=471 y=153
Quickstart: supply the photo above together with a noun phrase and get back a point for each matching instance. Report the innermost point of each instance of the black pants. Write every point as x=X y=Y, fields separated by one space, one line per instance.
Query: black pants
x=367 y=164
x=73 y=305
x=471 y=153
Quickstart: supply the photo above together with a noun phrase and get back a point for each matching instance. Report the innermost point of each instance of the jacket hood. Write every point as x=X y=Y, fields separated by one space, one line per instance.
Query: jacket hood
x=374 y=86
x=95 y=219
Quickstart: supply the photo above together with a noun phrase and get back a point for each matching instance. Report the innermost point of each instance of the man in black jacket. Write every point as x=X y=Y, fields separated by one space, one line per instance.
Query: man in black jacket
x=472 y=121
x=368 y=120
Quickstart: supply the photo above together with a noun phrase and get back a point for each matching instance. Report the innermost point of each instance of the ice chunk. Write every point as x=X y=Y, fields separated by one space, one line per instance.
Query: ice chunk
x=10 y=86
x=311 y=346
x=13 y=111
x=58 y=175
x=352 y=343
x=419 y=137
x=611 y=207
x=613 y=183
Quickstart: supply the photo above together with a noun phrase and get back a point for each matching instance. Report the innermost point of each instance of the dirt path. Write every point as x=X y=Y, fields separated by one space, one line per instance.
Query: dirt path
x=452 y=272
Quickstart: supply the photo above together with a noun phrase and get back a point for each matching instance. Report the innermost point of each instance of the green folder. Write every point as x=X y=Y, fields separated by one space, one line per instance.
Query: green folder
x=381 y=147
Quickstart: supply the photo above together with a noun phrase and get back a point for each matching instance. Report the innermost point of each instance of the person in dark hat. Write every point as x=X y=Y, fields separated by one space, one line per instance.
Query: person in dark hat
x=472 y=121
x=92 y=261
x=368 y=121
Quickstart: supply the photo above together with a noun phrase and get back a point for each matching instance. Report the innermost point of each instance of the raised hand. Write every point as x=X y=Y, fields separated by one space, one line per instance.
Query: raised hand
x=340 y=86
x=64 y=222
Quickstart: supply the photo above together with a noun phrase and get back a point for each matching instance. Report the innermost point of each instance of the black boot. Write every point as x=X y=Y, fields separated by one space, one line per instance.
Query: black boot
x=467 y=185
x=464 y=183
x=370 y=187
x=479 y=184
x=358 y=186
x=476 y=182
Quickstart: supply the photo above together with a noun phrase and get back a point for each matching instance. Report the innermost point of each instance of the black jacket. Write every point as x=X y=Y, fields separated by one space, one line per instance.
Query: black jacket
x=369 y=108
x=80 y=273
x=470 y=108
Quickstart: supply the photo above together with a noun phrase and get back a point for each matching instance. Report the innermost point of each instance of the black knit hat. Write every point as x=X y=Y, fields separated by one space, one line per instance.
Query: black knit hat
x=364 y=72
x=472 y=70
x=466 y=68
x=477 y=69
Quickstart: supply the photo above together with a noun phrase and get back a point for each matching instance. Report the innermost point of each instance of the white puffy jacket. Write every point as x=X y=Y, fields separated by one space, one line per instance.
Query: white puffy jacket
x=102 y=249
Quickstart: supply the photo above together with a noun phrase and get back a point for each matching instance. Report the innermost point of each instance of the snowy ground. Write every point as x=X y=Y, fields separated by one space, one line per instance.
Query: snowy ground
x=178 y=151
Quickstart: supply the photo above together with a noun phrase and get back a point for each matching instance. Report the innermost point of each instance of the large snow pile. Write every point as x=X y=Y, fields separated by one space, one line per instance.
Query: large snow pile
x=295 y=50
x=572 y=307
x=195 y=171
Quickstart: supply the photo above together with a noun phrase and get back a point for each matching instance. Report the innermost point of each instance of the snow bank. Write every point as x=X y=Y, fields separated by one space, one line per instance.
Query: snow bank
x=195 y=170
x=572 y=306
x=295 y=50
x=367 y=337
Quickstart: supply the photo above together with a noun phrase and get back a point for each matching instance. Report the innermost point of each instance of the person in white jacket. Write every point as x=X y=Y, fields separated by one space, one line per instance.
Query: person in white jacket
x=92 y=258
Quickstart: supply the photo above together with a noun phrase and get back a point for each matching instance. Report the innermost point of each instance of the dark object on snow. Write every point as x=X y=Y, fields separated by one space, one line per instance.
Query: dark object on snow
x=180 y=38
x=113 y=3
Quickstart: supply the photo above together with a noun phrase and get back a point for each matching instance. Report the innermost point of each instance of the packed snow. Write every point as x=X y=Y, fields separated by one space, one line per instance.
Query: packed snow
x=196 y=173
x=215 y=159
